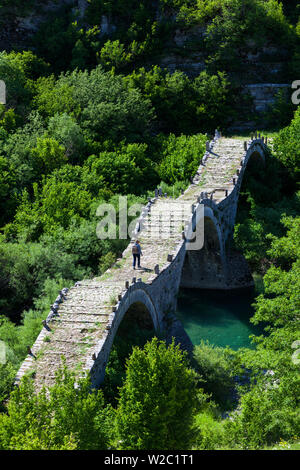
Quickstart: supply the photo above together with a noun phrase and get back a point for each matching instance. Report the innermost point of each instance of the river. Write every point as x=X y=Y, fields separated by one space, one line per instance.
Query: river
x=221 y=317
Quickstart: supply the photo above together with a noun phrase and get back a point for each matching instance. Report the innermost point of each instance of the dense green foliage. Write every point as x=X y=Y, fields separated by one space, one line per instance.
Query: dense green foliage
x=75 y=417
x=214 y=367
x=186 y=105
x=268 y=194
x=94 y=113
x=69 y=418
x=157 y=400
x=269 y=410
x=287 y=146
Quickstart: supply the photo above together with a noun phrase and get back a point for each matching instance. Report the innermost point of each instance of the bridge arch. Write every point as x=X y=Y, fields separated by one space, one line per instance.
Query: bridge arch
x=256 y=151
x=138 y=298
x=255 y=156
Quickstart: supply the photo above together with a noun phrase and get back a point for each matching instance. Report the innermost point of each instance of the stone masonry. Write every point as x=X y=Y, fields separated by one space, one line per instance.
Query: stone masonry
x=84 y=320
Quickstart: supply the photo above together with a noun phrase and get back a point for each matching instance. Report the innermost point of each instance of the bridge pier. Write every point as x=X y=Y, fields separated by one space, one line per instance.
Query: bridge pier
x=217 y=265
x=206 y=269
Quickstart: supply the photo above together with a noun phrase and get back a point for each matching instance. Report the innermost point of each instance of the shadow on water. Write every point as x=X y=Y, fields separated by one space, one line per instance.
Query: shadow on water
x=221 y=317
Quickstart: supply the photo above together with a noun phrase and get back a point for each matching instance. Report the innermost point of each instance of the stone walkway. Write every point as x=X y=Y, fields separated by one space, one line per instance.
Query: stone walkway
x=81 y=314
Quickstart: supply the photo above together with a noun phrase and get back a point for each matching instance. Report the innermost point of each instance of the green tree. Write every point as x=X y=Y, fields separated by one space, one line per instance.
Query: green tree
x=268 y=413
x=70 y=416
x=8 y=200
x=180 y=157
x=215 y=368
x=68 y=133
x=47 y=155
x=17 y=145
x=113 y=54
x=243 y=26
x=17 y=86
x=55 y=204
x=126 y=170
x=102 y=103
x=24 y=269
x=183 y=105
x=287 y=146
x=157 y=400
x=280 y=304
x=32 y=65
x=7 y=377
x=170 y=95
x=56 y=38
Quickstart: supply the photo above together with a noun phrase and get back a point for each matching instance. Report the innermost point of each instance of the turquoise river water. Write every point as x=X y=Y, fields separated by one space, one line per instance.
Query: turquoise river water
x=220 y=317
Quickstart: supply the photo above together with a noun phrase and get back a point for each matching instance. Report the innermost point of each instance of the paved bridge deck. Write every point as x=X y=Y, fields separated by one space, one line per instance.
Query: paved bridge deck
x=83 y=316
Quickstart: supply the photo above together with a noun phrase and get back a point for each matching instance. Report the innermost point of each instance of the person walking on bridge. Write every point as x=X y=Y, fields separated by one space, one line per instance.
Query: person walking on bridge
x=136 y=252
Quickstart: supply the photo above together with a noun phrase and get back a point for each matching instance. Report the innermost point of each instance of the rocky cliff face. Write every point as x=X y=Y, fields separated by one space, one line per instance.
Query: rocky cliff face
x=17 y=25
x=264 y=94
x=262 y=75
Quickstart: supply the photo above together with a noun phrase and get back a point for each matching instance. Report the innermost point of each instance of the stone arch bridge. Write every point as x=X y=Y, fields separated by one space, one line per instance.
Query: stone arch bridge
x=84 y=320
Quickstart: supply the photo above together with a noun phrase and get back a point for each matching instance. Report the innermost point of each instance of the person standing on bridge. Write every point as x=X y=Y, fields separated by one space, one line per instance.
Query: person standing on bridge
x=136 y=253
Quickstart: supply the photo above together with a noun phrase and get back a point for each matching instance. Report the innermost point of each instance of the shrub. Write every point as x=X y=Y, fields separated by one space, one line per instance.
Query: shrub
x=157 y=400
x=209 y=431
x=102 y=103
x=183 y=105
x=242 y=26
x=71 y=416
x=24 y=269
x=47 y=155
x=68 y=133
x=214 y=366
x=287 y=146
x=268 y=413
x=124 y=171
x=17 y=87
x=181 y=157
